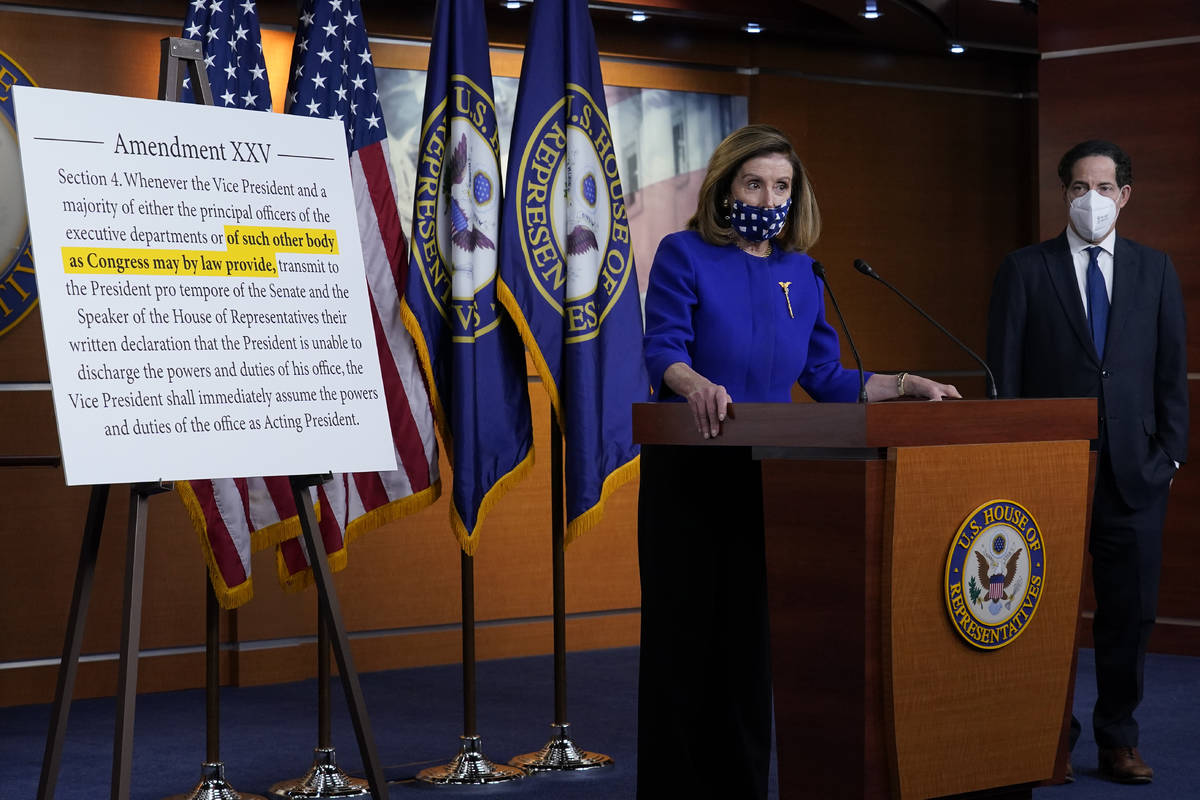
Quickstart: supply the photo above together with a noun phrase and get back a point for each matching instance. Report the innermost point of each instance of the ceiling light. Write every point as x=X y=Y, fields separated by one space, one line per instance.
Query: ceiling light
x=512 y=4
x=752 y=27
x=870 y=10
x=637 y=16
x=957 y=49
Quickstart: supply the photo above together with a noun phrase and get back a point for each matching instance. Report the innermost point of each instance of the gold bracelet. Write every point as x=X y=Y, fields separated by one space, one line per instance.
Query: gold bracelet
x=900 y=384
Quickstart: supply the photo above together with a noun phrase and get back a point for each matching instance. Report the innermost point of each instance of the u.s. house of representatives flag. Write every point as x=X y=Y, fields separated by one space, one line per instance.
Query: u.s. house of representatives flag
x=332 y=76
x=566 y=263
x=468 y=346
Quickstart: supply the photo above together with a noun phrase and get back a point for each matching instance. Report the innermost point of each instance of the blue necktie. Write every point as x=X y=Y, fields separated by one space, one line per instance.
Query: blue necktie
x=1097 y=295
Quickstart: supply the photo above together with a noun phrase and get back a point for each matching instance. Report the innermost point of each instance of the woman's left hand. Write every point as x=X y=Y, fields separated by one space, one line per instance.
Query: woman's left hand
x=887 y=387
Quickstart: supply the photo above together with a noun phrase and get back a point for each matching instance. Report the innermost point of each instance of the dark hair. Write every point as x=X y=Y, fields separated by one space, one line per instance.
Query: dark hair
x=803 y=224
x=1097 y=147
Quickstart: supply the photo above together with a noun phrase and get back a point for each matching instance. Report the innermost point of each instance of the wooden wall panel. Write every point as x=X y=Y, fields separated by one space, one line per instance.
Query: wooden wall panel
x=1146 y=104
x=295 y=661
x=44 y=525
x=1075 y=24
x=1157 y=126
x=1178 y=598
x=927 y=187
x=42 y=533
x=29 y=428
x=22 y=353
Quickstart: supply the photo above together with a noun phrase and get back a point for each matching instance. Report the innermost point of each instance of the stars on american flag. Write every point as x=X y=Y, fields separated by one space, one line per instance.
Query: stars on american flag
x=233 y=55
x=332 y=72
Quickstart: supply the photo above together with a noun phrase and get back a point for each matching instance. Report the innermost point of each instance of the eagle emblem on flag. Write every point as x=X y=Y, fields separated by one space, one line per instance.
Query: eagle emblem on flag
x=465 y=224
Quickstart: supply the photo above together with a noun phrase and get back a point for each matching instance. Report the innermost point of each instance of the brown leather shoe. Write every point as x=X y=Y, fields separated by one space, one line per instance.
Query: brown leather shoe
x=1124 y=765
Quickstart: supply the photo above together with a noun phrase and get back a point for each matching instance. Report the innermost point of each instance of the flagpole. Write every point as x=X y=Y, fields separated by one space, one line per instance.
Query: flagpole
x=324 y=779
x=560 y=754
x=212 y=785
x=467 y=572
x=470 y=766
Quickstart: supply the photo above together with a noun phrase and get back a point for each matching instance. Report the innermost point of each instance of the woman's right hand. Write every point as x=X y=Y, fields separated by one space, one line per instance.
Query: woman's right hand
x=709 y=401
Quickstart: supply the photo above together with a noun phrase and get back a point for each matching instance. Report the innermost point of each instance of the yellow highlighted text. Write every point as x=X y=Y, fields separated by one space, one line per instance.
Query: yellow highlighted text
x=249 y=253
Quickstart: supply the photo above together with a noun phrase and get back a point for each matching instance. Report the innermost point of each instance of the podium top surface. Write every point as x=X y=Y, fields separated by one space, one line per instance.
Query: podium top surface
x=888 y=424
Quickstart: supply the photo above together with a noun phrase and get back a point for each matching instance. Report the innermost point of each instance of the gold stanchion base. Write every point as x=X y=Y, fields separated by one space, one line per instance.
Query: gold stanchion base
x=212 y=786
x=324 y=780
x=561 y=755
x=468 y=767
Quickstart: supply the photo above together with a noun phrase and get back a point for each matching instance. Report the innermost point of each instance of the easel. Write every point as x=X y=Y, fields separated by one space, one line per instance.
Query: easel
x=174 y=51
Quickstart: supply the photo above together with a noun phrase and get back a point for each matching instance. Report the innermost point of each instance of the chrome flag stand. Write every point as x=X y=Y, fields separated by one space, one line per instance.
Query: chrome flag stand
x=560 y=754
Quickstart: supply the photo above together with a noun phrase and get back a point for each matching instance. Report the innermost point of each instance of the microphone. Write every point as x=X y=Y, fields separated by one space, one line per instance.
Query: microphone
x=819 y=271
x=865 y=269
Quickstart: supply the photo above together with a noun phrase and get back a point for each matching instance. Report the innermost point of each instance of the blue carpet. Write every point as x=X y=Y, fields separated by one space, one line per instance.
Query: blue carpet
x=268 y=732
x=1168 y=717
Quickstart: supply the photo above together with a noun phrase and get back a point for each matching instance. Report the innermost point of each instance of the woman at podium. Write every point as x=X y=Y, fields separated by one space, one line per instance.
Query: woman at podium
x=734 y=312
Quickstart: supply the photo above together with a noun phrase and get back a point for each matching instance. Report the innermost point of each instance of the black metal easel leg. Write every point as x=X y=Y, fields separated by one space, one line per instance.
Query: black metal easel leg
x=131 y=635
x=329 y=607
x=69 y=665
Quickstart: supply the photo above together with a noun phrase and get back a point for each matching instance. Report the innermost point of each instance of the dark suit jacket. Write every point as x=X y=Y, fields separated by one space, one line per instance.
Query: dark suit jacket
x=1039 y=345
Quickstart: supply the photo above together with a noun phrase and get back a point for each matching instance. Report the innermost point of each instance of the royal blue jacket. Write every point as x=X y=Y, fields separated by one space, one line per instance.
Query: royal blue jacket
x=726 y=314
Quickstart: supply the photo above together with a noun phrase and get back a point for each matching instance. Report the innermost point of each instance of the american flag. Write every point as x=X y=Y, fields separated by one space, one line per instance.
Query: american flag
x=333 y=77
x=233 y=55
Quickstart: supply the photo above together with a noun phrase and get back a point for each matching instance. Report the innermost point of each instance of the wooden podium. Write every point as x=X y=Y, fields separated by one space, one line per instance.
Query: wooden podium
x=876 y=693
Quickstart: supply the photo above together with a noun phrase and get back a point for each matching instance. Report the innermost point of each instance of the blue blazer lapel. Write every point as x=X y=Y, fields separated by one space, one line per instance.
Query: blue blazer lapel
x=1126 y=270
x=1061 y=268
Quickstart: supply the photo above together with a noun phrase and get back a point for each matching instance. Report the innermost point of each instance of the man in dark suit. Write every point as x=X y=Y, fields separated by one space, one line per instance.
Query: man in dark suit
x=1092 y=314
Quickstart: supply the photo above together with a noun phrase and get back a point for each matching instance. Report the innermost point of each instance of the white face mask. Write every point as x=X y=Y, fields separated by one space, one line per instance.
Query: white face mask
x=1093 y=215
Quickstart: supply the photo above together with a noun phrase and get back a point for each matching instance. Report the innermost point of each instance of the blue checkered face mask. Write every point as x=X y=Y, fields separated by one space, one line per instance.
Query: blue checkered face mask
x=755 y=223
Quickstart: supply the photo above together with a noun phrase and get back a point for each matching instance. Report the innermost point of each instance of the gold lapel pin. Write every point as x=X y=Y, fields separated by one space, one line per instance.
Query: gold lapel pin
x=785 y=285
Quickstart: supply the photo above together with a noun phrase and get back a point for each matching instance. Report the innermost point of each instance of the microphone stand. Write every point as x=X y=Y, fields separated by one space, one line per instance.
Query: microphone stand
x=819 y=271
x=865 y=269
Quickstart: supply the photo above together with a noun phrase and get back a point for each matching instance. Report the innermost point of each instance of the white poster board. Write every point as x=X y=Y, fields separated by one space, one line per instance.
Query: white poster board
x=202 y=292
